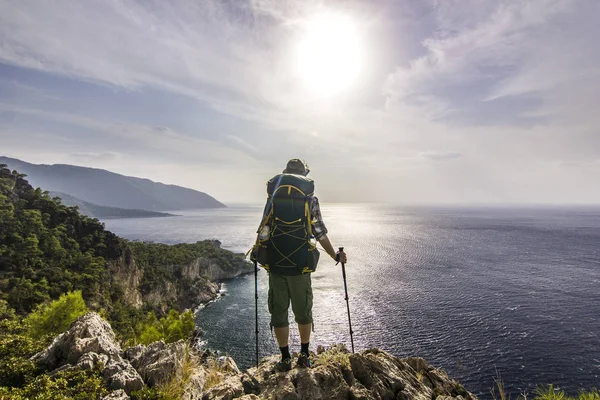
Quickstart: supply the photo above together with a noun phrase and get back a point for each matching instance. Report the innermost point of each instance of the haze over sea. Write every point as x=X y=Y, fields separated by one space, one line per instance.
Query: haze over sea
x=472 y=290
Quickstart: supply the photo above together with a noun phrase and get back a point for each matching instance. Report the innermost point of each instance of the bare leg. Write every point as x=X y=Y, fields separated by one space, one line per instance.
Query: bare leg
x=304 y=330
x=283 y=335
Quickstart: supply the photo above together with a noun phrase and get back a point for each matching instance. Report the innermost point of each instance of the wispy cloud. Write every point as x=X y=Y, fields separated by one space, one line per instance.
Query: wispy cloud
x=440 y=156
x=512 y=84
x=92 y=157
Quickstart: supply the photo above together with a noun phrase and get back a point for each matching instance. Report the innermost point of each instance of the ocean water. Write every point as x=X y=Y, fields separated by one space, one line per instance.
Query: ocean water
x=479 y=292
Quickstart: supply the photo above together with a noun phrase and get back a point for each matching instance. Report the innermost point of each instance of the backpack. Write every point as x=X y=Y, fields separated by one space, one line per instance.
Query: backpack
x=288 y=249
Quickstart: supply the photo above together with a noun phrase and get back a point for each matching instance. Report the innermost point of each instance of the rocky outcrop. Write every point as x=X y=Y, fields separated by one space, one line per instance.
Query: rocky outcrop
x=197 y=283
x=91 y=343
x=188 y=296
x=158 y=363
x=336 y=374
x=210 y=269
x=125 y=274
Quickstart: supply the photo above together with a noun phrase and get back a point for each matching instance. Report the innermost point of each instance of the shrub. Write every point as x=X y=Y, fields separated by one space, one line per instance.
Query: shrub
x=71 y=384
x=171 y=328
x=55 y=317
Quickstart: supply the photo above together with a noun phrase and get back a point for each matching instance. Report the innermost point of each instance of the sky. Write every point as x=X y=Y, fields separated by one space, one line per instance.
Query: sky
x=409 y=101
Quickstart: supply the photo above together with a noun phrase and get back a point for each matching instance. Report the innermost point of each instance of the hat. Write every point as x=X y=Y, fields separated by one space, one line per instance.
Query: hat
x=296 y=166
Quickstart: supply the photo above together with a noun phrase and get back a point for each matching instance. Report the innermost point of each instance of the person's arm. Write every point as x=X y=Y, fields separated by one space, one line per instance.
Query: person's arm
x=320 y=231
x=328 y=247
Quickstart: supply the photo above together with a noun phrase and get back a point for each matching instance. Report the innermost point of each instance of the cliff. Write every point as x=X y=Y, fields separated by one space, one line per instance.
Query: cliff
x=183 y=275
x=189 y=374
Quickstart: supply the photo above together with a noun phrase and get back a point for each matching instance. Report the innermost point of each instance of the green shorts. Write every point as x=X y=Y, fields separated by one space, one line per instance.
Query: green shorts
x=282 y=290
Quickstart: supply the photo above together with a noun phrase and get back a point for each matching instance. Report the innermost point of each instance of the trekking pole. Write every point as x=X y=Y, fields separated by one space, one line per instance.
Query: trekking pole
x=347 y=302
x=256 y=307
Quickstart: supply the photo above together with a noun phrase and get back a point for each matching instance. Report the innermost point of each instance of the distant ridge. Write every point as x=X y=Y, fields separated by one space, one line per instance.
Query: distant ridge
x=97 y=211
x=105 y=188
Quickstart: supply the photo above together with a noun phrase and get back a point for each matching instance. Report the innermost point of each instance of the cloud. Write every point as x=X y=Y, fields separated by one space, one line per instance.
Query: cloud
x=440 y=156
x=160 y=141
x=512 y=84
x=93 y=157
x=496 y=63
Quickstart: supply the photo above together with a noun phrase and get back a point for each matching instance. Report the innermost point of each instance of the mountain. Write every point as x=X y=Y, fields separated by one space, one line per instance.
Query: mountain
x=109 y=189
x=97 y=211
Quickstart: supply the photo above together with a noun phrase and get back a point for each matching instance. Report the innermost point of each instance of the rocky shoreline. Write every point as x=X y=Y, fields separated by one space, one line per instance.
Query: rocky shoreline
x=90 y=344
x=198 y=283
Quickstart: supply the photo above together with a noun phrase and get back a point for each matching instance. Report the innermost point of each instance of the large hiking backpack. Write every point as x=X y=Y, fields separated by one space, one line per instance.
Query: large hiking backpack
x=288 y=248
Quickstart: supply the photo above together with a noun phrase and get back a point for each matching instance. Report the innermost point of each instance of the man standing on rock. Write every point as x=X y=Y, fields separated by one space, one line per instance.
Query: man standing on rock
x=285 y=249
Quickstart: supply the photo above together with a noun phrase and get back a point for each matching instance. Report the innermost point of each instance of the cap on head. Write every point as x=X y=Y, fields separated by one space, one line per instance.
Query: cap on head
x=296 y=166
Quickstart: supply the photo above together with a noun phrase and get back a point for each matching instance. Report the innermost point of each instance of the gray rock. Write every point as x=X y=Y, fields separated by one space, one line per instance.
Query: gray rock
x=211 y=270
x=116 y=395
x=158 y=363
x=89 y=361
x=195 y=385
x=90 y=341
x=121 y=375
x=125 y=274
x=370 y=374
x=229 y=389
x=227 y=365
x=89 y=334
x=417 y=363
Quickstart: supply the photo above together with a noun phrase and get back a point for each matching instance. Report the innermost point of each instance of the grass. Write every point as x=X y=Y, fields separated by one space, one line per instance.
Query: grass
x=216 y=372
x=334 y=355
x=174 y=388
x=548 y=392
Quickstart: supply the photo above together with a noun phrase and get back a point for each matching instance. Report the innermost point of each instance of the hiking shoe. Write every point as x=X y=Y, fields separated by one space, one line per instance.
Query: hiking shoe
x=284 y=365
x=303 y=361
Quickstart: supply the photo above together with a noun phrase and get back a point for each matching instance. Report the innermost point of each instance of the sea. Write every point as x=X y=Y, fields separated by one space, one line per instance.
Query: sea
x=485 y=293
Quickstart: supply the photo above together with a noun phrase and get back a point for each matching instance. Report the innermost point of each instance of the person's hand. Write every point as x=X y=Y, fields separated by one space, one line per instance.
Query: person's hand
x=340 y=257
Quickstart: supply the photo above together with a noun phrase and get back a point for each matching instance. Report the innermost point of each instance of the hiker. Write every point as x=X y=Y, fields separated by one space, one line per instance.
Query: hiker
x=284 y=248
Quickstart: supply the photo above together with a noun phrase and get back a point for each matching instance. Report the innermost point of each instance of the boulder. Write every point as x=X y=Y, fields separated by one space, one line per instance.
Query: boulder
x=89 y=343
x=230 y=388
x=116 y=395
x=121 y=375
x=88 y=334
x=158 y=363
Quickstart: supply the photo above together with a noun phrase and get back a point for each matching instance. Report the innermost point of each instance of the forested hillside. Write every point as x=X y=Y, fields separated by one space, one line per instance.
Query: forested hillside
x=57 y=264
x=47 y=248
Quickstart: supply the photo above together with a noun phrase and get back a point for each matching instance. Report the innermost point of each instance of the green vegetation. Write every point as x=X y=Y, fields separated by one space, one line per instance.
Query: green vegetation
x=55 y=267
x=551 y=393
x=47 y=249
x=55 y=317
x=165 y=262
x=70 y=384
x=171 y=328
x=548 y=392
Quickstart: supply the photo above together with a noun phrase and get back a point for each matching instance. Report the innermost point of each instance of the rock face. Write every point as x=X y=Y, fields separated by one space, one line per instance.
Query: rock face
x=158 y=363
x=88 y=342
x=125 y=273
x=199 y=292
x=336 y=374
x=197 y=284
x=209 y=269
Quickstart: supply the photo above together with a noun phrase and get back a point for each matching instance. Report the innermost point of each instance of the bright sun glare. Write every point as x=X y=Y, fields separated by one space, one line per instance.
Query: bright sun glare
x=329 y=54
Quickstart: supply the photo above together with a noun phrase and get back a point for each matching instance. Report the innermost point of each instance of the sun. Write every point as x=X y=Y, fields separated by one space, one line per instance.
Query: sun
x=329 y=54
